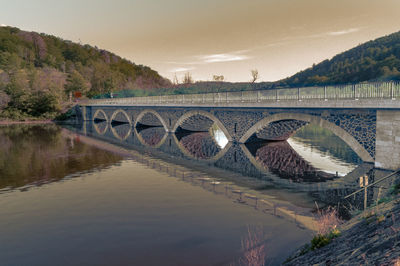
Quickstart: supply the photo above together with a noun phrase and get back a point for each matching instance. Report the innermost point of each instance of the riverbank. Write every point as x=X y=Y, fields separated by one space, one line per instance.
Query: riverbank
x=370 y=238
x=11 y=122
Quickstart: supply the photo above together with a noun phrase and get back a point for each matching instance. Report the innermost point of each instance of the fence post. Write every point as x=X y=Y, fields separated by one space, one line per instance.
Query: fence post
x=355 y=92
x=325 y=99
x=391 y=90
x=241 y=96
x=258 y=96
x=226 y=97
x=277 y=95
x=298 y=94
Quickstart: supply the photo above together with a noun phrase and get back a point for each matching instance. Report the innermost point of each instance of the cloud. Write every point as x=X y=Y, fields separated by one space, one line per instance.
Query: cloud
x=207 y=59
x=3 y=25
x=336 y=33
x=181 y=69
x=216 y=58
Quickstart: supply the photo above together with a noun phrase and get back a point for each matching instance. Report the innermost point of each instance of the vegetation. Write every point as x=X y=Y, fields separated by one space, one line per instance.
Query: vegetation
x=39 y=72
x=376 y=60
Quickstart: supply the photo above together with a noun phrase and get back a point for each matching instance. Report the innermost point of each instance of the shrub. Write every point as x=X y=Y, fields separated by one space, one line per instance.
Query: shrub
x=253 y=248
x=319 y=241
x=327 y=221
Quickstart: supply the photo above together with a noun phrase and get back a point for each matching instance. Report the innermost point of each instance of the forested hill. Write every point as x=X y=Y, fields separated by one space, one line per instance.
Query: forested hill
x=372 y=61
x=38 y=71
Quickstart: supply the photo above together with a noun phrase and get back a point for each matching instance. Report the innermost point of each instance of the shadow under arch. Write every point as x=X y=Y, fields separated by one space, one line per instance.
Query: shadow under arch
x=114 y=115
x=144 y=143
x=146 y=111
x=219 y=155
x=96 y=114
x=205 y=114
x=316 y=120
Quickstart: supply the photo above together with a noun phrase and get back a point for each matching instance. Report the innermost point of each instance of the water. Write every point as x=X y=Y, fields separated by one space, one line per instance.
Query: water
x=121 y=196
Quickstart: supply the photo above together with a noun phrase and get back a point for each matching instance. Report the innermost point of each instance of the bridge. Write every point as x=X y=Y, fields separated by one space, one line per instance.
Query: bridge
x=366 y=116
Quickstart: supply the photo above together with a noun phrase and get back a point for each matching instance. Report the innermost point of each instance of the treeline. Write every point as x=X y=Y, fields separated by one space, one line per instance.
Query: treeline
x=190 y=88
x=38 y=72
x=377 y=60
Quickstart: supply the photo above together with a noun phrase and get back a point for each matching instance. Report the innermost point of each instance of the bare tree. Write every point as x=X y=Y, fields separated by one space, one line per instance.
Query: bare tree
x=175 y=81
x=218 y=77
x=254 y=75
x=187 y=79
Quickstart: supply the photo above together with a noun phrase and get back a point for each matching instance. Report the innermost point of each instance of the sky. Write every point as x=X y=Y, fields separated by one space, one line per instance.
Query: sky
x=212 y=37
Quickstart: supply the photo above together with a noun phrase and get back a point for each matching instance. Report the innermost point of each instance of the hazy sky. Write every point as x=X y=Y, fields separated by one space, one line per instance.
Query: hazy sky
x=207 y=37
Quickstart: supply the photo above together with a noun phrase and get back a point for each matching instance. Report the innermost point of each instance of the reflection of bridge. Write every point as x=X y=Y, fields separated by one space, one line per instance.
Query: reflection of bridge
x=242 y=161
x=247 y=160
x=373 y=131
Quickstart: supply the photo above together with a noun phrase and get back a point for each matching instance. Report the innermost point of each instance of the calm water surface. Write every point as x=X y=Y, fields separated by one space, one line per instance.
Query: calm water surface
x=70 y=199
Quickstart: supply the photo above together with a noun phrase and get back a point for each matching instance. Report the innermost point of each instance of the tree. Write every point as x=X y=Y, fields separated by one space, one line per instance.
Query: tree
x=218 y=77
x=175 y=81
x=187 y=79
x=254 y=75
x=76 y=82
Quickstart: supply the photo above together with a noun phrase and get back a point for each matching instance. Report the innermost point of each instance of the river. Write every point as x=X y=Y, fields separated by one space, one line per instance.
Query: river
x=99 y=196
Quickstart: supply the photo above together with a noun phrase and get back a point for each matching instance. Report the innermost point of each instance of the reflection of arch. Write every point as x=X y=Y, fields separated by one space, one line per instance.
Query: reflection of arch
x=316 y=120
x=140 y=116
x=114 y=115
x=114 y=130
x=205 y=114
x=143 y=142
x=98 y=111
x=97 y=128
x=219 y=155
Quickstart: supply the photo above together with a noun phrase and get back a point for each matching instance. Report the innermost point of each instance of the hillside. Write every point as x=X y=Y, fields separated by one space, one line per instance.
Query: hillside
x=39 y=71
x=375 y=60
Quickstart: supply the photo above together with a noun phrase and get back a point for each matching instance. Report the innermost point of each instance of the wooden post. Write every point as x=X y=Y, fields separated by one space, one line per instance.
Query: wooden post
x=325 y=99
x=276 y=95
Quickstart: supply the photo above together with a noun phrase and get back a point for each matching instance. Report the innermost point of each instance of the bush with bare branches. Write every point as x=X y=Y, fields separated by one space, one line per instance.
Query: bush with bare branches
x=253 y=248
x=327 y=221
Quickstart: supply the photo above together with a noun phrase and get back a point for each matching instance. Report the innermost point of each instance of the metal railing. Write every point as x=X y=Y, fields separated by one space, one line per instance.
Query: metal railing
x=368 y=90
x=365 y=186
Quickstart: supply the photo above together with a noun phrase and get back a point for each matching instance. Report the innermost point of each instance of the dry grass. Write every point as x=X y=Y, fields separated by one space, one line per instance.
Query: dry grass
x=327 y=221
x=253 y=248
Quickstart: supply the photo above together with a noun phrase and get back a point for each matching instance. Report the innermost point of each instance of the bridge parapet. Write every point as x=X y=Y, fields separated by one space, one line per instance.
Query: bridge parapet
x=361 y=95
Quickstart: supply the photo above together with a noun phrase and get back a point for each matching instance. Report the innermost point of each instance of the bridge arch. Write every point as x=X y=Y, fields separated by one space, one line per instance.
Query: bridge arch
x=205 y=114
x=98 y=113
x=146 y=111
x=121 y=132
x=101 y=128
x=215 y=158
x=316 y=120
x=145 y=143
x=125 y=114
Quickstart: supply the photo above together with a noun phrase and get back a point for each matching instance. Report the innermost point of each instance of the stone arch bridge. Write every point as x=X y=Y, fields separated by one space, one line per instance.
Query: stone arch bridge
x=373 y=133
